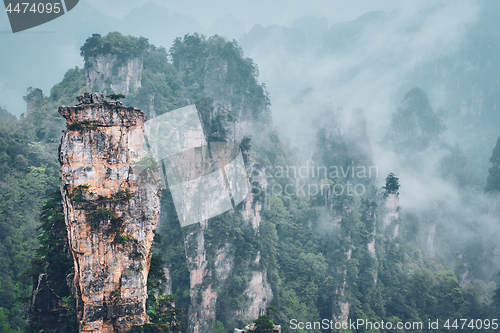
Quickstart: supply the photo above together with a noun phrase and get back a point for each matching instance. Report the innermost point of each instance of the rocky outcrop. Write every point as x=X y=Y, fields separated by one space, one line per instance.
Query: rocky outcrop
x=108 y=74
x=256 y=179
x=206 y=283
x=341 y=304
x=427 y=228
x=33 y=99
x=259 y=293
x=110 y=212
x=237 y=117
x=50 y=311
x=370 y=220
x=214 y=80
x=201 y=315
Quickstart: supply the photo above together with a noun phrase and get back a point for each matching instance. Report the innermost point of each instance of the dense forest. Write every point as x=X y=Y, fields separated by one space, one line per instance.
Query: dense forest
x=319 y=250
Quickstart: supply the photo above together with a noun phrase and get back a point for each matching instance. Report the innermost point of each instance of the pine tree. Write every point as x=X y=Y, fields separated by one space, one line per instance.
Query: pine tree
x=391 y=185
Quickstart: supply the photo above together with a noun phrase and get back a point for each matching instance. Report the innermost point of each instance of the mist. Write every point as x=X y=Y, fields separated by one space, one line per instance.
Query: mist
x=378 y=57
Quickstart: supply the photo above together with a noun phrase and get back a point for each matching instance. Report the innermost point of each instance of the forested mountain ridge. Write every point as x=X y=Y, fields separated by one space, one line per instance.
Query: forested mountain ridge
x=312 y=255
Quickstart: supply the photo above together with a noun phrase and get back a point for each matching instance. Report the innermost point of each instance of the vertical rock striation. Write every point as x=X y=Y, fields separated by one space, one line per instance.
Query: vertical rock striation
x=107 y=73
x=391 y=212
x=212 y=262
x=110 y=212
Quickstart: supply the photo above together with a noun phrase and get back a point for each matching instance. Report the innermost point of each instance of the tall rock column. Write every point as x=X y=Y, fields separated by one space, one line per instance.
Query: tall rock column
x=110 y=212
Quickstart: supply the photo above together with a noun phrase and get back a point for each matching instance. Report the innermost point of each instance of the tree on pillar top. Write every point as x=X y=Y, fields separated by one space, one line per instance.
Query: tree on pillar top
x=116 y=97
x=391 y=185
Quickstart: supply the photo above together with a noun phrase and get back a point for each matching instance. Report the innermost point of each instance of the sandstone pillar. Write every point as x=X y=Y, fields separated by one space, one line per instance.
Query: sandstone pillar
x=110 y=212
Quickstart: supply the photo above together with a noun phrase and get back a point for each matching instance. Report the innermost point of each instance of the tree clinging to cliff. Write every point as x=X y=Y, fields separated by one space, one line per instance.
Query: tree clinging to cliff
x=391 y=185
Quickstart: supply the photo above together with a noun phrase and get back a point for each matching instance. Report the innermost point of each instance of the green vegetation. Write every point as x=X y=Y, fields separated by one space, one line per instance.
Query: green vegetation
x=136 y=255
x=122 y=239
x=165 y=317
x=28 y=174
x=100 y=215
x=114 y=296
x=74 y=127
x=78 y=193
x=4 y=114
x=70 y=305
x=74 y=83
x=79 y=126
x=50 y=257
x=125 y=195
x=218 y=328
x=231 y=77
x=263 y=325
x=391 y=185
x=116 y=97
x=114 y=43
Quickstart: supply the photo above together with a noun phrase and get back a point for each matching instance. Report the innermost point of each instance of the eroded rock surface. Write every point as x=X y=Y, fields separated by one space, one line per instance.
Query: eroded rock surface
x=110 y=212
x=107 y=73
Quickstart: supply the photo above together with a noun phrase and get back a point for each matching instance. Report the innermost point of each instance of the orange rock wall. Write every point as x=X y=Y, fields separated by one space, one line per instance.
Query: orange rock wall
x=110 y=220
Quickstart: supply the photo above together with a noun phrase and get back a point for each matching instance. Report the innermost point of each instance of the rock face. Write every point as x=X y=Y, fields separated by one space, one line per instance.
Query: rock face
x=109 y=75
x=427 y=226
x=205 y=293
x=110 y=212
x=49 y=311
x=207 y=282
x=391 y=212
x=33 y=98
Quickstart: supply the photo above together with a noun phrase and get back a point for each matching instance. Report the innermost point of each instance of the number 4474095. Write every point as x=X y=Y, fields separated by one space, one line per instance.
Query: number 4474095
x=473 y=324
x=24 y=7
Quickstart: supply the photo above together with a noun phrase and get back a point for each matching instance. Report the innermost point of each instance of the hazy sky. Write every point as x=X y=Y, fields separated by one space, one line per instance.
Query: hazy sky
x=265 y=12
x=40 y=56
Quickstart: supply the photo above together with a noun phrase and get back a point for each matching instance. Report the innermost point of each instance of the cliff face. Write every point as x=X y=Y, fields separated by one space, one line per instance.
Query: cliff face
x=391 y=212
x=207 y=286
x=211 y=265
x=108 y=75
x=427 y=225
x=110 y=212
